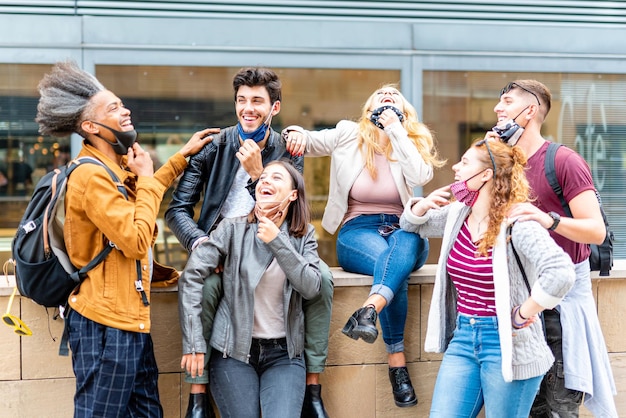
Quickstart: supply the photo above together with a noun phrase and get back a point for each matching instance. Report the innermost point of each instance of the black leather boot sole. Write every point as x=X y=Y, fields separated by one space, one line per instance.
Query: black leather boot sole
x=362 y=324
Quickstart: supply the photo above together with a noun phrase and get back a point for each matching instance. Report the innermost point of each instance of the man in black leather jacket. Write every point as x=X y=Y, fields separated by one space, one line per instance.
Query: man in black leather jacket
x=225 y=173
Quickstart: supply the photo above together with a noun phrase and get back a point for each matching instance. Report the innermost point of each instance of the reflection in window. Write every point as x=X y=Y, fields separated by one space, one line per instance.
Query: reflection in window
x=169 y=104
x=588 y=114
x=25 y=156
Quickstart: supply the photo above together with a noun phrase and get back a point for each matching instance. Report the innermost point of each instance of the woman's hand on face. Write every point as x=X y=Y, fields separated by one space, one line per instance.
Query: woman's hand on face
x=436 y=199
x=193 y=363
x=295 y=143
x=267 y=230
x=388 y=117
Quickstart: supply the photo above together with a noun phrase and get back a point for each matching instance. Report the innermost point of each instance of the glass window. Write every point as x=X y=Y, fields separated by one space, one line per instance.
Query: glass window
x=587 y=115
x=25 y=156
x=169 y=104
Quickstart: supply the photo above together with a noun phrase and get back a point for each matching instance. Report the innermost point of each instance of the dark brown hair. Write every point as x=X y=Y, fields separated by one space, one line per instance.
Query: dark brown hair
x=255 y=76
x=299 y=213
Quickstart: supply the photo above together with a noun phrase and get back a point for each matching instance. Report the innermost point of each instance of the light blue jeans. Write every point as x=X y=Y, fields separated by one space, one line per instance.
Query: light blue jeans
x=270 y=385
x=390 y=260
x=470 y=376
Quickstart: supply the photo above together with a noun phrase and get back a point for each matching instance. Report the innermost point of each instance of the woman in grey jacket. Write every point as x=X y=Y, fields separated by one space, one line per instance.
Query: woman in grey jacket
x=481 y=312
x=270 y=263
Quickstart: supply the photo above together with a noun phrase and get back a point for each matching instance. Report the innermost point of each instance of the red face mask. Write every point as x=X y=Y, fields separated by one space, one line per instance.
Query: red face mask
x=463 y=194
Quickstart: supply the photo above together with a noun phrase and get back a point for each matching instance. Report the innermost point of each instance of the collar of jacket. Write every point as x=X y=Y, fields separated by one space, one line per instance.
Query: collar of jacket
x=269 y=145
x=120 y=170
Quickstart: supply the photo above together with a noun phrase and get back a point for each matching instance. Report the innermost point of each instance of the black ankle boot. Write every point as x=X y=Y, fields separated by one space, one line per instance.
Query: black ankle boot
x=403 y=392
x=199 y=406
x=313 y=406
x=362 y=324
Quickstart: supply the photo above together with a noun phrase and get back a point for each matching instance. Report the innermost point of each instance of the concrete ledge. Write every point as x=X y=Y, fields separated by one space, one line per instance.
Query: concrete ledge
x=425 y=275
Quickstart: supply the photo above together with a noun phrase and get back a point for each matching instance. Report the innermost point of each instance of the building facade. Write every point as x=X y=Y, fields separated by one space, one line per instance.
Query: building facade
x=172 y=63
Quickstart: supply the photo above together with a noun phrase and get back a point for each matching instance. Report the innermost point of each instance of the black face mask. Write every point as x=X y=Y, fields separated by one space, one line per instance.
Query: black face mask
x=376 y=114
x=123 y=140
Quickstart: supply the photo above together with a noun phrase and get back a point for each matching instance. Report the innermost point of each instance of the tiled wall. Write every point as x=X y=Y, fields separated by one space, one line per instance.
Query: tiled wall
x=35 y=381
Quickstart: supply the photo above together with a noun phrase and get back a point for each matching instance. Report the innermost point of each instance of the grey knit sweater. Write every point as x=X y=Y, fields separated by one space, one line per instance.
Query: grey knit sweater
x=549 y=269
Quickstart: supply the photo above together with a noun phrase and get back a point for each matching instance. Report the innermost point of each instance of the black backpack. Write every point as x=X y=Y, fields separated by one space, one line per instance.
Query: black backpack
x=601 y=258
x=43 y=271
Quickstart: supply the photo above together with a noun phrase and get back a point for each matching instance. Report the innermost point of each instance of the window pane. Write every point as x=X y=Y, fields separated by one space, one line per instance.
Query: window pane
x=25 y=156
x=587 y=114
x=169 y=104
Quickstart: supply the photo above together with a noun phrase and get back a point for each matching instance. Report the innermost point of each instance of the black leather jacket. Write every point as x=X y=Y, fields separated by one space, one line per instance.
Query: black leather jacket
x=212 y=171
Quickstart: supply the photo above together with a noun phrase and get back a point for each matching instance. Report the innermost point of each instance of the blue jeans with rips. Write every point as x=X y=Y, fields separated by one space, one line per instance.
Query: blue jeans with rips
x=270 y=385
x=390 y=260
x=470 y=376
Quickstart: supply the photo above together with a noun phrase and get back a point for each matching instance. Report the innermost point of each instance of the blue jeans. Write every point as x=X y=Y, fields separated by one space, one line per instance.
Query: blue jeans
x=470 y=376
x=390 y=260
x=270 y=385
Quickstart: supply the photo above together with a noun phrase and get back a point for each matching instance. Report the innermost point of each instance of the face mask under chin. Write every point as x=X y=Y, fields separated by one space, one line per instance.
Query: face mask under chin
x=463 y=194
x=259 y=133
x=271 y=210
x=510 y=133
x=123 y=139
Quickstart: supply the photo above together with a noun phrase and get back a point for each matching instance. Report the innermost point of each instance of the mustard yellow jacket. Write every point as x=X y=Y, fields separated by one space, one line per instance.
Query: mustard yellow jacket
x=96 y=213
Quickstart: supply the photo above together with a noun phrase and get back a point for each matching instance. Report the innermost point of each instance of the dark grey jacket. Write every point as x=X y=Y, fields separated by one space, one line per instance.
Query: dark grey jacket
x=212 y=172
x=245 y=258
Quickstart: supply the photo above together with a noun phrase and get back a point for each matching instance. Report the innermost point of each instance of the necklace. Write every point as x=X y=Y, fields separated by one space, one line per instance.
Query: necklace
x=479 y=223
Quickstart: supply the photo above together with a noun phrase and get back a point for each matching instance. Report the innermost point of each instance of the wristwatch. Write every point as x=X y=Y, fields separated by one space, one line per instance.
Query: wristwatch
x=557 y=218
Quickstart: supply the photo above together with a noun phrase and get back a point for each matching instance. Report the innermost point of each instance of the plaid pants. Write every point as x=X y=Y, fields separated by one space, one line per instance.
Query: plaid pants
x=116 y=372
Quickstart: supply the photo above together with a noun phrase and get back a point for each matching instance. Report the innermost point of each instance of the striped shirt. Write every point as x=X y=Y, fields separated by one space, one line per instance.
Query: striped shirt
x=472 y=275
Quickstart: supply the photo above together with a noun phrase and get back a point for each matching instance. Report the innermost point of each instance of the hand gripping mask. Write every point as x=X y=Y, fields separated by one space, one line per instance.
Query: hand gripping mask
x=376 y=115
x=510 y=132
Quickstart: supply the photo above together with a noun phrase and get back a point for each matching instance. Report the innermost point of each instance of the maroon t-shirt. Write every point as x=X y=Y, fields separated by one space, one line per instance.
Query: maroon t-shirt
x=574 y=176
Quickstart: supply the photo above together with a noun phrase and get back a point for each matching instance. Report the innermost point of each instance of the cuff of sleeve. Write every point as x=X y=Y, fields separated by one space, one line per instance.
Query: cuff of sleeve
x=410 y=216
x=290 y=128
x=198 y=242
x=543 y=298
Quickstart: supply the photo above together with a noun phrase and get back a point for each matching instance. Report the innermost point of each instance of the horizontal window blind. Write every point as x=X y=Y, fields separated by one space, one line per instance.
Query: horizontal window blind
x=599 y=12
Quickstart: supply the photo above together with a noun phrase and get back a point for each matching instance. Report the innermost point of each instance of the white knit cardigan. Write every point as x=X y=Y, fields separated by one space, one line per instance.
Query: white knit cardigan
x=550 y=271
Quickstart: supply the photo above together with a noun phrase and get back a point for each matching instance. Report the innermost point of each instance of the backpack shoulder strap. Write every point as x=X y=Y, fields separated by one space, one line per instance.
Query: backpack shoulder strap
x=550 y=170
x=509 y=239
x=92 y=160
x=79 y=275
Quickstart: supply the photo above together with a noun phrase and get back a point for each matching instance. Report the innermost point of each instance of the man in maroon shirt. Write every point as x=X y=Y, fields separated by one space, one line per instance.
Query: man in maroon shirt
x=573 y=325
